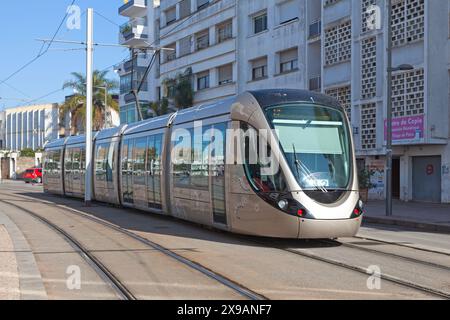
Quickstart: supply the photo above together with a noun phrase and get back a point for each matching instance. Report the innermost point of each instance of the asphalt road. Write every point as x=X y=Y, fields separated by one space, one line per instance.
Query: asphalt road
x=154 y=257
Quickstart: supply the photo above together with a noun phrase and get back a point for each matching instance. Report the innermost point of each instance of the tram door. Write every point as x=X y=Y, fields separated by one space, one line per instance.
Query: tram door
x=68 y=171
x=76 y=171
x=127 y=171
x=218 y=140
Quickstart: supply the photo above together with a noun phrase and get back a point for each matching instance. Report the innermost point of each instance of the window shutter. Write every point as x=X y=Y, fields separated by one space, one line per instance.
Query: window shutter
x=185 y=8
x=288 y=55
x=288 y=11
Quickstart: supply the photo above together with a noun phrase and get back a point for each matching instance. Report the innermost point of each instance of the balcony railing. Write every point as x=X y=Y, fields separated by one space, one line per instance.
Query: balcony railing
x=132 y=8
x=315 y=83
x=126 y=88
x=202 y=42
x=315 y=29
x=134 y=30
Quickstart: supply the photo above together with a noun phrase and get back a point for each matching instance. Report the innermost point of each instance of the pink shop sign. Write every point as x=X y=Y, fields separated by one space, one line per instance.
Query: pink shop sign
x=407 y=129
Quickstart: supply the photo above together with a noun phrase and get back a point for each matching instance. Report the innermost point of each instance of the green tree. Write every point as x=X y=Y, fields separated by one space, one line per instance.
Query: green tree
x=27 y=153
x=160 y=108
x=180 y=89
x=76 y=105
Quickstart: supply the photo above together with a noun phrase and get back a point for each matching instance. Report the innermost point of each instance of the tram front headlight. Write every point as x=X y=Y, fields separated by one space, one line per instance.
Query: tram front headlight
x=283 y=204
x=361 y=204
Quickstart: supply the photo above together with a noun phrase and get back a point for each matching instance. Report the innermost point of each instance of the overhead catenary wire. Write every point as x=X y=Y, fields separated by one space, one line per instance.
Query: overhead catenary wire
x=42 y=51
x=106 y=18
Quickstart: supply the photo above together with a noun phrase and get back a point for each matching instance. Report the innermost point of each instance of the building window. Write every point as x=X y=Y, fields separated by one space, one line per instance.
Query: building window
x=260 y=23
x=259 y=69
x=289 y=60
x=128 y=113
x=202 y=40
x=201 y=4
x=225 y=31
x=171 y=15
x=203 y=80
x=185 y=8
x=225 y=74
x=185 y=46
x=288 y=11
x=171 y=54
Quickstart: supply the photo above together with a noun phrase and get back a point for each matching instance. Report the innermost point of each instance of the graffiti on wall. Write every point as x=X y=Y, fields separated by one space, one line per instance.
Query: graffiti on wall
x=377 y=179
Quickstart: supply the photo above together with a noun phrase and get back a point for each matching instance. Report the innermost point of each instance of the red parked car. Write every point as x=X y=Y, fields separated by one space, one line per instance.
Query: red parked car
x=33 y=175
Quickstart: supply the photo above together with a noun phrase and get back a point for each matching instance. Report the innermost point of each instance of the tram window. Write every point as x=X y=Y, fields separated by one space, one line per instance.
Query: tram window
x=139 y=160
x=82 y=159
x=110 y=163
x=217 y=163
x=157 y=170
x=76 y=159
x=154 y=171
x=255 y=170
x=100 y=162
x=200 y=167
x=57 y=159
x=68 y=160
x=149 y=169
x=183 y=161
x=124 y=164
x=52 y=162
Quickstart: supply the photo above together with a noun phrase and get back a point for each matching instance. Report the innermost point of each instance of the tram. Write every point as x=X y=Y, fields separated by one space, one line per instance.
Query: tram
x=276 y=163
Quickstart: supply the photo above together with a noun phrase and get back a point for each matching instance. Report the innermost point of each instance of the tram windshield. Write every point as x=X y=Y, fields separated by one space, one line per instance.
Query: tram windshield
x=316 y=143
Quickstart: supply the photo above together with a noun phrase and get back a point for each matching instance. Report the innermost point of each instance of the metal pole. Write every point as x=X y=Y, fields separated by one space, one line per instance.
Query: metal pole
x=389 y=112
x=106 y=107
x=89 y=98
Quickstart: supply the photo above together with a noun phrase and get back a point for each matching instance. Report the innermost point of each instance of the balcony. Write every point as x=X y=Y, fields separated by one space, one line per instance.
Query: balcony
x=141 y=61
x=134 y=33
x=133 y=8
x=315 y=29
x=315 y=83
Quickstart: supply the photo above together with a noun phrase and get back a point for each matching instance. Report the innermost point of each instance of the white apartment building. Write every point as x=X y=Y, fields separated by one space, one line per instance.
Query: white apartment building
x=2 y=129
x=31 y=126
x=236 y=45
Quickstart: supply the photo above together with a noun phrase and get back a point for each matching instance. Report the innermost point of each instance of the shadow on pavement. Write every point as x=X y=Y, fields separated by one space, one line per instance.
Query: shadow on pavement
x=144 y=222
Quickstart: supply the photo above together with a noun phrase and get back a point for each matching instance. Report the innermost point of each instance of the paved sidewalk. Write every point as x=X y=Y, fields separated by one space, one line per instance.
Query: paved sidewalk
x=20 y=278
x=425 y=216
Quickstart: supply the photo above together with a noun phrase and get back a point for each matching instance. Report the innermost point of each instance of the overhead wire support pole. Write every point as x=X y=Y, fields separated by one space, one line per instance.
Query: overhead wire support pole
x=389 y=113
x=89 y=101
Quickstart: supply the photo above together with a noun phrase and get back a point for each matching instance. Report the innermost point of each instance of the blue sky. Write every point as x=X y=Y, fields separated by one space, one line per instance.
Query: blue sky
x=21 y=22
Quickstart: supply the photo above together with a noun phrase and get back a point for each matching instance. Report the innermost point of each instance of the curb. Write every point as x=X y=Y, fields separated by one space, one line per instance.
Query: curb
x=433 y=227
x=30 y=278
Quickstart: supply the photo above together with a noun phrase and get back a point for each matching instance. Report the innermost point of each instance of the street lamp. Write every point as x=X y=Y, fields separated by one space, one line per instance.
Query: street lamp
x=390 y=69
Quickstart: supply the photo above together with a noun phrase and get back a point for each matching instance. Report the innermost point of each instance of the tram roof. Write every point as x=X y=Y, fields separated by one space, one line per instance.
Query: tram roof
x=204 y=111
x=55 y=144
x=110 y=132
x=149 y=124
x=271 y=97
x=77 y=139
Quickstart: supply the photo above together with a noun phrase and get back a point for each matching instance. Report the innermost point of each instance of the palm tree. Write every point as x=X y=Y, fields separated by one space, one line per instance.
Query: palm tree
x=76 y=105
x=160 y=108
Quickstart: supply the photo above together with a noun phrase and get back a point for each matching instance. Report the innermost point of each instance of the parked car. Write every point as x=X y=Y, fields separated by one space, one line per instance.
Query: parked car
x=33 y=175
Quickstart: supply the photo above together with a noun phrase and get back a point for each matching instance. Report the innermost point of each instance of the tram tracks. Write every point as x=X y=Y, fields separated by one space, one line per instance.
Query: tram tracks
x=107 y=276
x=363 y=270
x=103 y=271
x=390 y=254
x=249 y=294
